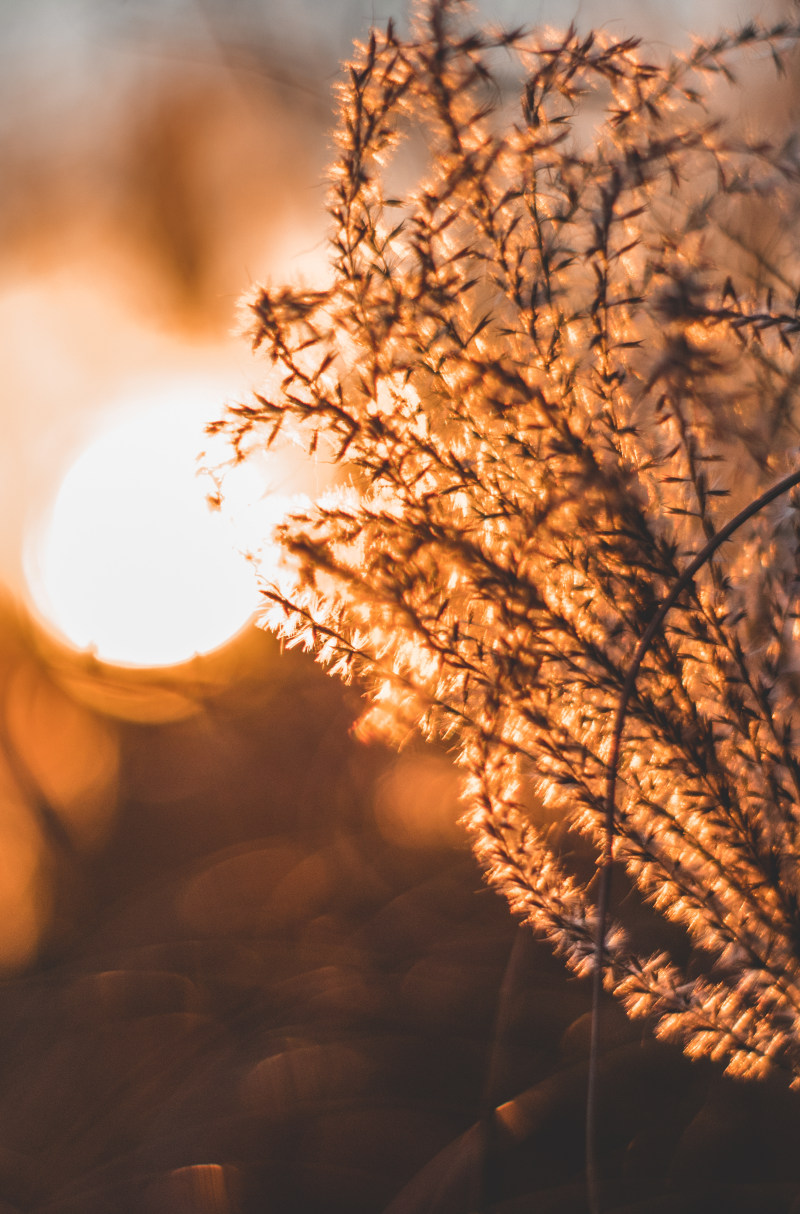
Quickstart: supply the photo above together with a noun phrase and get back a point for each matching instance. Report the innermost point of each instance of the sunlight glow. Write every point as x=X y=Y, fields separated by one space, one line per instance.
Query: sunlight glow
x=132 y=563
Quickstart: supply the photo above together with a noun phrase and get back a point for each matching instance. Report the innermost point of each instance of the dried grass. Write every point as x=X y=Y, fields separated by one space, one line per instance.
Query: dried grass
x=550 y=370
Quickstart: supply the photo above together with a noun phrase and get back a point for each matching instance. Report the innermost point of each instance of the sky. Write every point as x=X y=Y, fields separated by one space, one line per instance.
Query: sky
x=206 y=844
x=158 y=158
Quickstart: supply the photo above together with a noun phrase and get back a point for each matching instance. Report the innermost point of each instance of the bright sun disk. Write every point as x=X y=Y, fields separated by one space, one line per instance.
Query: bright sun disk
x=132 y=564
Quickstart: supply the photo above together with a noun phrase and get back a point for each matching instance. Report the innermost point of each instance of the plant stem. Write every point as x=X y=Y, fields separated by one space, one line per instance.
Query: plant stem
x=606 y=868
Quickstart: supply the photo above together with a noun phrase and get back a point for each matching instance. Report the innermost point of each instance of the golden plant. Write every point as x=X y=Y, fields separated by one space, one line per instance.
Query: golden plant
x=557 y=351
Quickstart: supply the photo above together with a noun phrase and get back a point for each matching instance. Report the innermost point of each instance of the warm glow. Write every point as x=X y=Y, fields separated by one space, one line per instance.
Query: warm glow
x=132 y=564
x=418 y=802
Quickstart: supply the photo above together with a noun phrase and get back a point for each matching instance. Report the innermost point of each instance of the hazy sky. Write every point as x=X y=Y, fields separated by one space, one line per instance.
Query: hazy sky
x=161 y=154
x=319 y=26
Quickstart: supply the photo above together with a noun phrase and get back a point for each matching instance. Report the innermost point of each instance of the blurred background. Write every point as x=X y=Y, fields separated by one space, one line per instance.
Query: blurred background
x=247 y=962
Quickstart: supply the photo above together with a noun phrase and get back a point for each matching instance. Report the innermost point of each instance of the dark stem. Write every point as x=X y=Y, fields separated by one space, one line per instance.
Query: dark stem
x=604 y=893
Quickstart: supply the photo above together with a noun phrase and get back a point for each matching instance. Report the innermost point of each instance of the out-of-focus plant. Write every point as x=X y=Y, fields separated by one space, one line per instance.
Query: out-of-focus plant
x=551 y=364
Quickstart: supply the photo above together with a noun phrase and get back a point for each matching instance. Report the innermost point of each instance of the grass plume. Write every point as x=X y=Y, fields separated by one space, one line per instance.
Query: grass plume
x=551 y=366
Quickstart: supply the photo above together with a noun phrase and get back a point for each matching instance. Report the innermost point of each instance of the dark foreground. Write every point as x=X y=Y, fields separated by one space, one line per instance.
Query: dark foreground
x=262 y=1005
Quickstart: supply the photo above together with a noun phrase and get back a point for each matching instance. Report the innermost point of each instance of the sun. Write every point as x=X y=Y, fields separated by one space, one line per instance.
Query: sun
x=131 y=563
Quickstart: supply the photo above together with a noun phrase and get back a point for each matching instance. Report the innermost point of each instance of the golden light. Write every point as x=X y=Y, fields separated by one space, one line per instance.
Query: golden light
x=418 y=802
x=131 y=563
